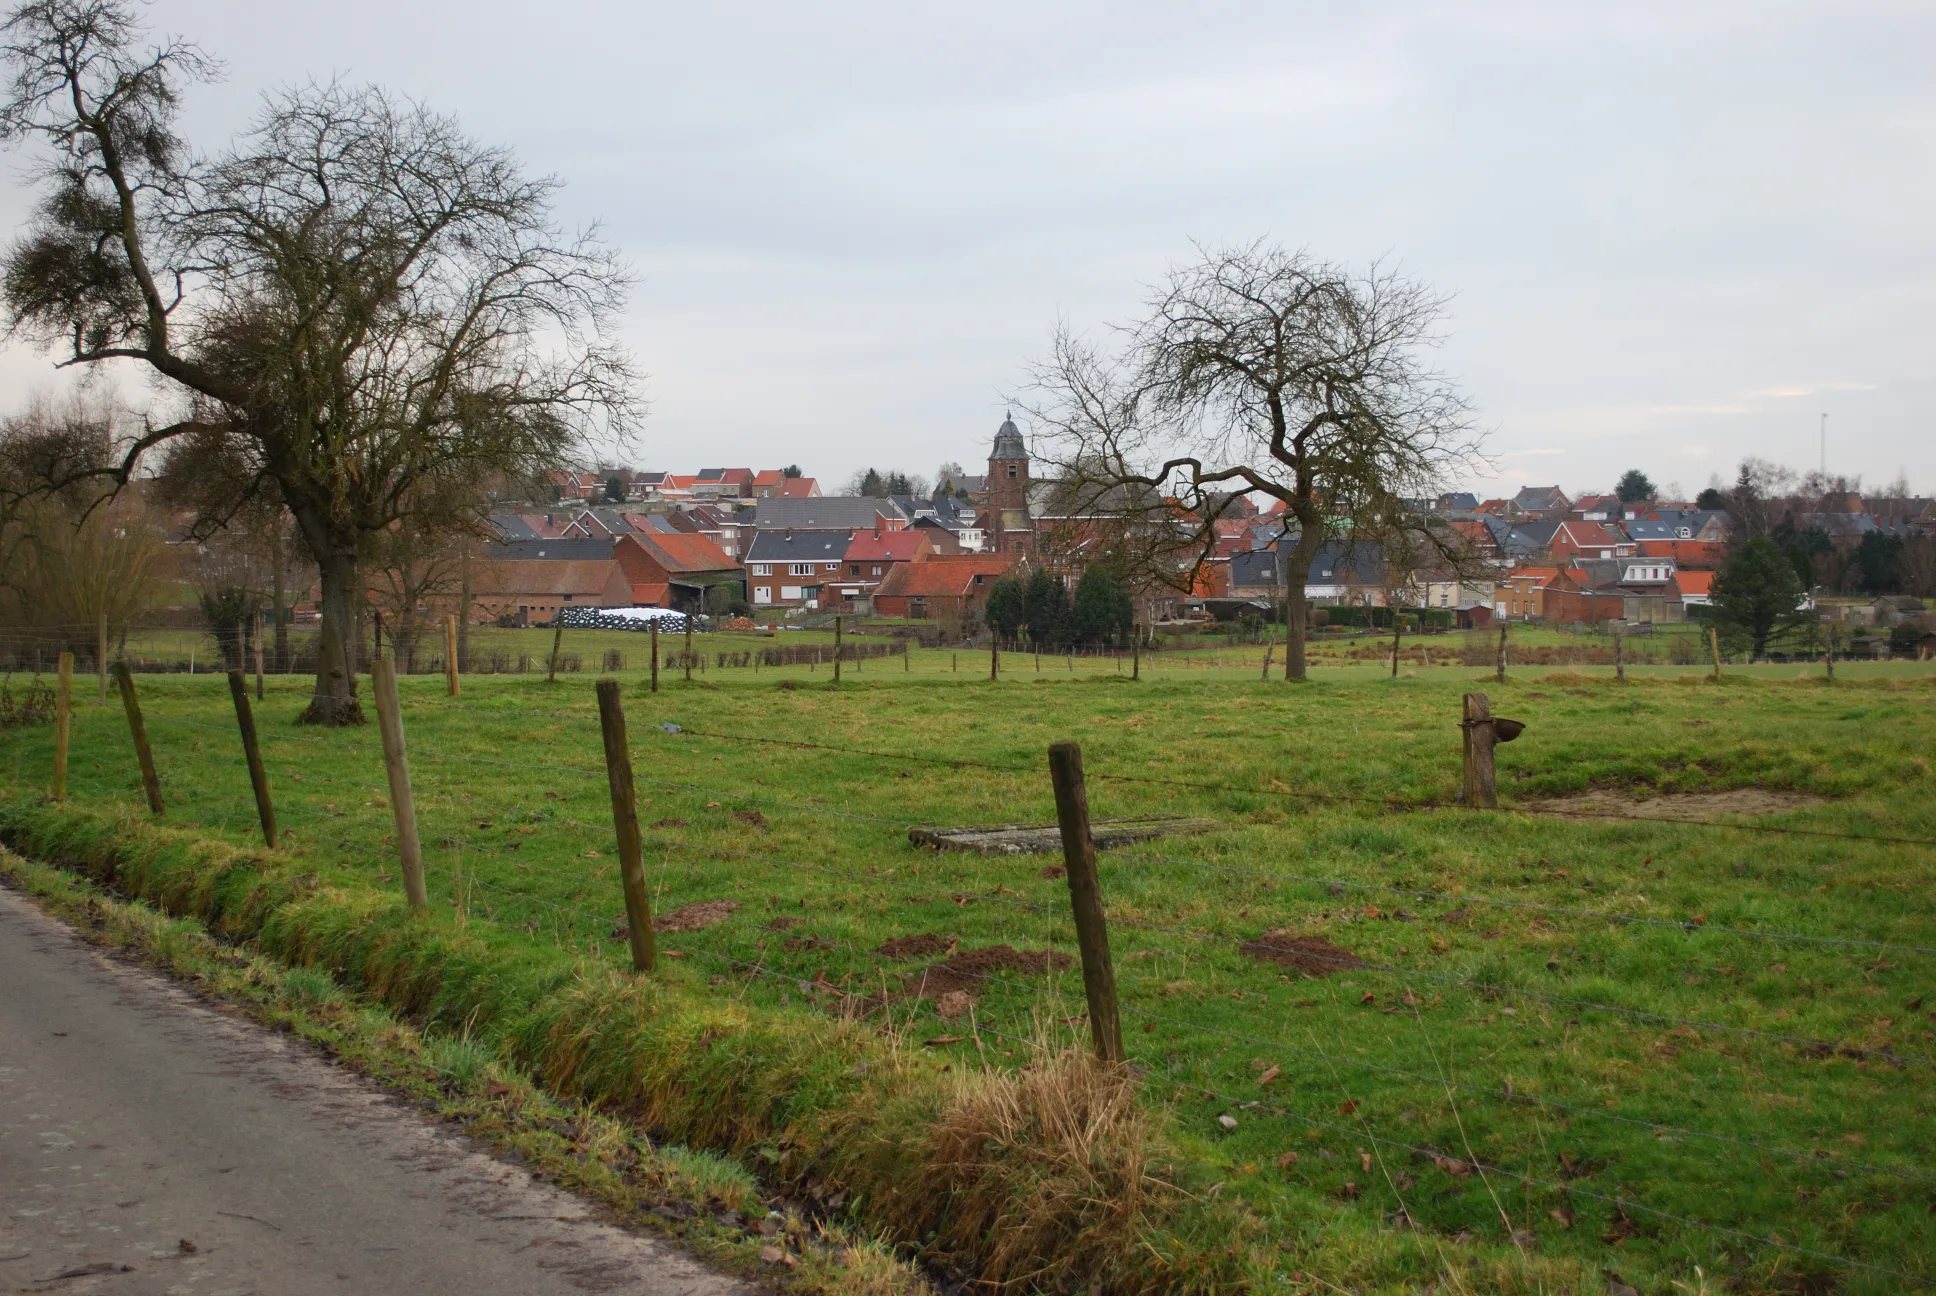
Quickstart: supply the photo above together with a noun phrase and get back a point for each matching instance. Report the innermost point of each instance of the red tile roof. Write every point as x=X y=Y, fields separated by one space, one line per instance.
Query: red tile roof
x=953 y=574
x=684 y=551
x=888 y=546
x=1698 y=583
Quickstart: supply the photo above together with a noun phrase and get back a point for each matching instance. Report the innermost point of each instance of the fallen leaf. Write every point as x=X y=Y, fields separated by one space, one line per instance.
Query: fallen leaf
x=592 y=854
x=1369 y=998
x=673 y=953
x=1268 y=1076
x=772 y=1254
x=712 y=805
x=1364 y=1159
x=1286 y=1161
x=1347 y=1107
x=1563 y=1215
x=946 y=1039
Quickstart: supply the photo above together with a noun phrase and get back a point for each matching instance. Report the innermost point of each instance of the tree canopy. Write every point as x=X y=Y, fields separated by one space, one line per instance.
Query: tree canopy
x=1634 y=486
x=1757 y=593
x=351 y=302
x=1259 y=369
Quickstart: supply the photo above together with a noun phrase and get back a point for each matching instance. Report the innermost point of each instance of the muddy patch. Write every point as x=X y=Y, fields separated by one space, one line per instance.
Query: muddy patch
x=973 y=971
x=782 y=923
x=692 y=917
x=1679 y=805
x=926 y=945
x=1313 y=956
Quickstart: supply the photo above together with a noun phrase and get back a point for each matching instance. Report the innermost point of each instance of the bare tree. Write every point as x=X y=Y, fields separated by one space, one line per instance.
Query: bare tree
x=78 y=561
x=353 y=298
x=1261 y=369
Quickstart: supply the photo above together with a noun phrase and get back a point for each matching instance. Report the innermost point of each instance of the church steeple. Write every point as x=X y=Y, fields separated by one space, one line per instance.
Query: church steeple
x=1006 y=522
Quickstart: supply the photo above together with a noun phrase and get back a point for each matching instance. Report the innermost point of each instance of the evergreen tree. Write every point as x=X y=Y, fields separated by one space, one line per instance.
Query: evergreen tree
x=873 y=486
x=1005 y=607
x=1878 y=563
x=1045 y=607
x=1634 y=486
x=1757 y=592
x=1711 y=498
x=614 y=491
x=1102 y=608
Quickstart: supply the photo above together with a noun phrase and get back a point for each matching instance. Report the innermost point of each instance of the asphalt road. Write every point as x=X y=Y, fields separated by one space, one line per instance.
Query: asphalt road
x=152 y=1144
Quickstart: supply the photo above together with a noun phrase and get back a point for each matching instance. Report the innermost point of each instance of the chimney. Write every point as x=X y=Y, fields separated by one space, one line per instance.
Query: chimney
x=789 y=534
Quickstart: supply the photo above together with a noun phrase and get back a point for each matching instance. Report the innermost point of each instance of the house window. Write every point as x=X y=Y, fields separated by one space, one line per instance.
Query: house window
x=833 y=566
x=762 y=569
x=1011 y=472
x=791 y=593
x=799 y=569
x=853 y=569
x=877 y=571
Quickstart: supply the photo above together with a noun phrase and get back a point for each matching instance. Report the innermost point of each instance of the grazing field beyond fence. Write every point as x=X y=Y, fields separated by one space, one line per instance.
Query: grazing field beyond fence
x=1672 y=1006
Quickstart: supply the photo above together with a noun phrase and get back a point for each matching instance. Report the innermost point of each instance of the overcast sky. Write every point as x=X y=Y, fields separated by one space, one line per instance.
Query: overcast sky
x=1675 y=233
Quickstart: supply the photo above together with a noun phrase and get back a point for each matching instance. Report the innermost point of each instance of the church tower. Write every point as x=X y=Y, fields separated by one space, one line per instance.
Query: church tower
x=1005 y=520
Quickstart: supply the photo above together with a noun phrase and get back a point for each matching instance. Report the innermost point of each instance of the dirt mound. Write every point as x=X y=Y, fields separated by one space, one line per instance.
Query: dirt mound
x=1313 y=956
x=973 y=971
x=694 y=916
x=781 y=924
x=1680 y=805
x=926 y=945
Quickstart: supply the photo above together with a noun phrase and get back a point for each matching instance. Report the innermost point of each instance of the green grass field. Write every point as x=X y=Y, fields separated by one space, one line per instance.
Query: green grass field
x=1587 y=1039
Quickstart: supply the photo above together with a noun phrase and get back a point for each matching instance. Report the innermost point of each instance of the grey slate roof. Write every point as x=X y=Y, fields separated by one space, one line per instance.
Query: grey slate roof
x=798 y=546
x=561 y=550
x=1008 y=441
x=825 y=513
x=510 y=526
x=1363 y=564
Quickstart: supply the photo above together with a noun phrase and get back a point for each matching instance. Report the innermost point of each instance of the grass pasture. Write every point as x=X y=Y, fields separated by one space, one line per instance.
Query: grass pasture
x=1584 y=1043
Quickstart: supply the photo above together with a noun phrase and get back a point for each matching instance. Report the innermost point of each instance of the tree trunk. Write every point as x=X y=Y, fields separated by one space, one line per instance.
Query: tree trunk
x=334 y=701
x=1297 y=618
x=464 y=610
x=276 y=597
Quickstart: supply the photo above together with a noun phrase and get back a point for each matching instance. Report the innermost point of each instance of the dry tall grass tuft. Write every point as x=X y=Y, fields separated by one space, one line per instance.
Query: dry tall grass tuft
x=1043 y=1177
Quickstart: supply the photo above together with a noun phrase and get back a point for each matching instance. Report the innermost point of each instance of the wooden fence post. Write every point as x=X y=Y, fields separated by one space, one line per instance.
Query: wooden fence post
x=1502 y=652
x=252 y=750
x=837 y=630
x=150 y=781
x=396 y=767
x=101 y=655
x=1136 y=654
x=625 y=822
x=954 y=663
x=1481 y=782
x=450 y=654
x=907 y=659
x=1714 y=644
x=1828 y=654
x=655 y=654
x=63 y=722
x=1619 y=656
x=688 y=647
x=557 y=642
x=1085 y=900
x=994 y=655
